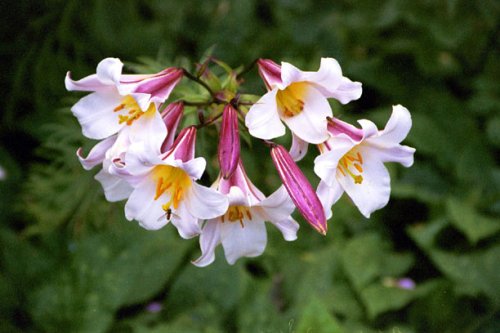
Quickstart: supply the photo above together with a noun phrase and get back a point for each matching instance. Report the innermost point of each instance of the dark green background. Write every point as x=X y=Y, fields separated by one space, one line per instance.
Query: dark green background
x=71 y=263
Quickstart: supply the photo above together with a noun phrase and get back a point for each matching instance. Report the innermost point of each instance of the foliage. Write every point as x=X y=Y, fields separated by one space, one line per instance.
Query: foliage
x=69 y=261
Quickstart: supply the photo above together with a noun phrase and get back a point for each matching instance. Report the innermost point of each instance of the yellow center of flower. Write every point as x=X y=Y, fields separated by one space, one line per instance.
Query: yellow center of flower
x=130 y=110
x=237 y=213
x=351 y=163
x=291 y=100
x=174 y=181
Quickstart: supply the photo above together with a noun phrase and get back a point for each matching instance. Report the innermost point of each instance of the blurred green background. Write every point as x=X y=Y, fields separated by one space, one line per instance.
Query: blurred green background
x=70 y=262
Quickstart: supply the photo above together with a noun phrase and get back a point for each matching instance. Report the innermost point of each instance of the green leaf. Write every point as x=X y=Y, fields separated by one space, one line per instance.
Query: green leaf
x=474 y=225
x=317 y=319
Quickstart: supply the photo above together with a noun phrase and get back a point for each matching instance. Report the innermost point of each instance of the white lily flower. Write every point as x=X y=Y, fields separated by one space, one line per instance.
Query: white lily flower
x=241 y=229
x=352 y=160
x=299 y=99
x=118 y=100
x=164 y=187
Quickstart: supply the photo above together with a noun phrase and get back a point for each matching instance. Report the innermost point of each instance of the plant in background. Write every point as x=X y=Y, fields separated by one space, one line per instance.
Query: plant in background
x=145 y=161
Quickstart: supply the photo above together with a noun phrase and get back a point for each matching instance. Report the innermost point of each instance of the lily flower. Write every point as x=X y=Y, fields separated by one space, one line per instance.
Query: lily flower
x=164 y=187
x=229 y=142
x=241 y=229
x=299 y=99
x=300 y=190
x=352 y=161
x=118 y=100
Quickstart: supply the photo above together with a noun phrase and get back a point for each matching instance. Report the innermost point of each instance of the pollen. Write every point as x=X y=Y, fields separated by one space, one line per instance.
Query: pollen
x=129 y=111
x=172 y=182
x=351 y=165
x=291 y=100
x=237 y=214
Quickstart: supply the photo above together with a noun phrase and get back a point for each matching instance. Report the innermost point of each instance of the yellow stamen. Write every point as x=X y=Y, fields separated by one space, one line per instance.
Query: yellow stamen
x=291 y=100
x=172 y=181
x=237 y=214
x=132 y=110
x=353 y=159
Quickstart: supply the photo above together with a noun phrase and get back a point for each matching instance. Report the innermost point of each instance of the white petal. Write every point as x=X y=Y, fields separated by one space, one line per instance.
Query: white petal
x=236 y=197
x=205 y=203
x=299 y=148
x=346 y=91
x=88 y=83
x=400 y=154
x=310 y=125
x=96 y=154
x=373 y=193
x=187 y=225
x=327 y=78
x=263 y=120
x=195 y=167
x=288 y=228
x=95 y=114
x=247 y=241
x=396 y=129
x=369 y=129
x=149 y=129
x=209 y=239
x=290 y=74
x=142 y=207
x=325 y=165
x=109 y=70
x=329 y=195
x=278 y=206
x=115 y=188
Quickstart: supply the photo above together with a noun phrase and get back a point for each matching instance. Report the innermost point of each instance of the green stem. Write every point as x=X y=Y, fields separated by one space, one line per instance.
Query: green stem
x=200 y=82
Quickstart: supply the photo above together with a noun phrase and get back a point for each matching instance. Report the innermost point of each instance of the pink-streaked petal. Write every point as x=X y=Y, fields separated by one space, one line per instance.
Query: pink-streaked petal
x=240 y=179
x=229 y=142
x=374 y=191
x=247 y=241
x=205 y=203
x=288 y=228
x=310 y=125
x=95 y=114
x=160 y=85
x=142 y=207
x=209 y=239
x=115 y=188
x=400 y=154
x=263 y=120
x=96 y=154
x=299 y=148
x=172 y=116
x=109 y=70
x=338 y=127
x=329 y=195
x=270 y=72
x=396 y=129
x=88 y=83
x=184 y=145
x=299 y=189
x=187 y=225
x=325 y=165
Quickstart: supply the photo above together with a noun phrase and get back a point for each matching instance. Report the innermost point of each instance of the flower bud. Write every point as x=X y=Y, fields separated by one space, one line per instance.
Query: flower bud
x=300 y=190
x=171 y=117
x=229 y=142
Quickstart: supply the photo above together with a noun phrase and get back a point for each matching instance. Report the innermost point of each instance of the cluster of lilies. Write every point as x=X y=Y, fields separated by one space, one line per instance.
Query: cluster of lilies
x=149 y=160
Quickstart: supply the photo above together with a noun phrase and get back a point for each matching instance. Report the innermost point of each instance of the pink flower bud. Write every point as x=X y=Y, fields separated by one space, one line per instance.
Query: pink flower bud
x=229 y=142
x=299 y=189
x=160 y=85
x=171 y=117
x=270 y=72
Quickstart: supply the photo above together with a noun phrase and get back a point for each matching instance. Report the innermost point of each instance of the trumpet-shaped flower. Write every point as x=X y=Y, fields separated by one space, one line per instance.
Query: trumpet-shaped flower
x=118 y=100
x=299 y=99
x=164 y=187
x=352 y=161
x=241 y=229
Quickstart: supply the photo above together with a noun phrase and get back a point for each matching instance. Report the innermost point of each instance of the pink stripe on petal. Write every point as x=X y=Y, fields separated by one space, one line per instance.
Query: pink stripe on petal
x=337 y=127
x=184 y=145
x=299 y=189
x=270 y=72
x=229 y=142
x=162 y=85
x=171 y=117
